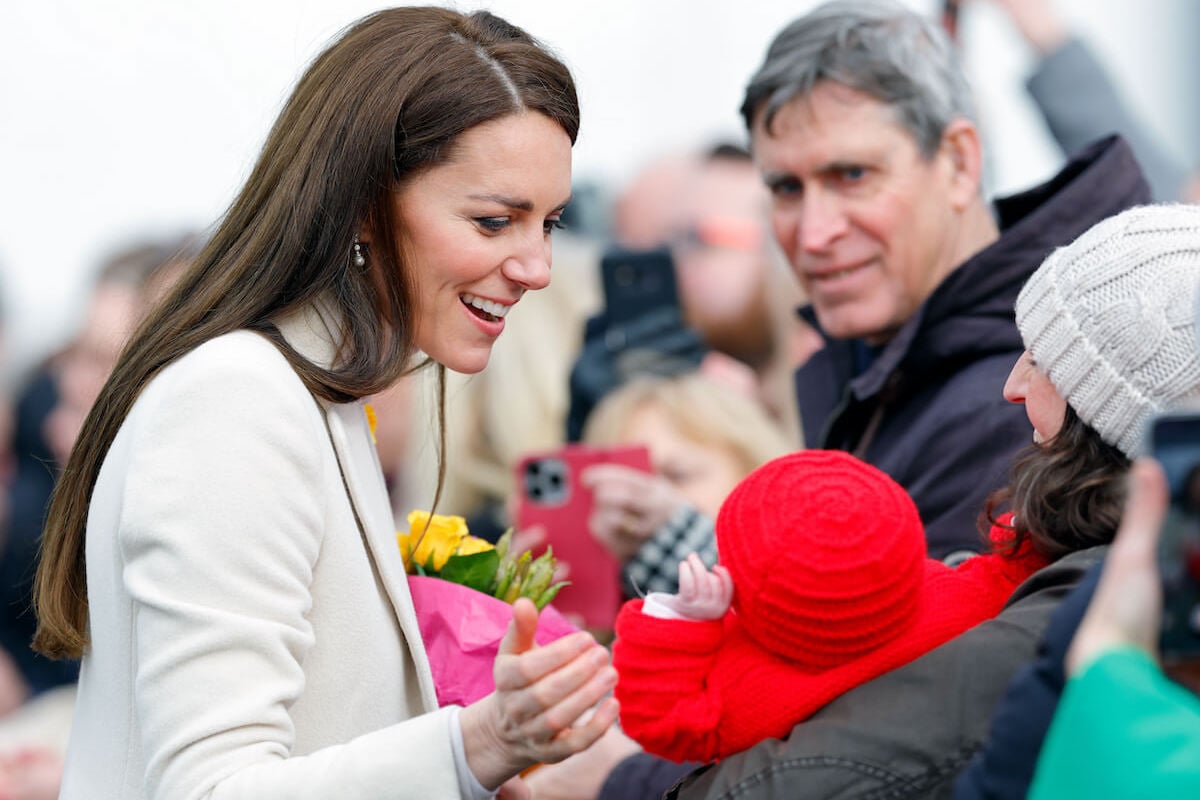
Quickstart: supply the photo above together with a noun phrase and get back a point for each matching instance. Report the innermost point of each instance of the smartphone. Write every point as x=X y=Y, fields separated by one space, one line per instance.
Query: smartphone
x=550 y=494
x=639 y=285
x=1175 y=442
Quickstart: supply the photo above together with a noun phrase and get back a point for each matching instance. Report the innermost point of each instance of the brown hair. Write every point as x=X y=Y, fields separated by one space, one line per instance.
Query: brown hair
x=704 y=411
x=385 y=102
x=1066 y=494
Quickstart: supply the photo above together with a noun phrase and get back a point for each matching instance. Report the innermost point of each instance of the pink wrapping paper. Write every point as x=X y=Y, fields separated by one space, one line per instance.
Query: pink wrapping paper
x=462 y=629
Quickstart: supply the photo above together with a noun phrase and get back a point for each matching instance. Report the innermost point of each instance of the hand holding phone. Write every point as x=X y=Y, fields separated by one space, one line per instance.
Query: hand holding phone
x=551 y=494
x=629 y=507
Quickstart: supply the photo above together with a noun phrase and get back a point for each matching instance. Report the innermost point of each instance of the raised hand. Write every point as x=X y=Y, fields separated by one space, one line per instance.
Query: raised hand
x=628 y=506
x=703 y=595
x=539 y=711
x=1127 y=605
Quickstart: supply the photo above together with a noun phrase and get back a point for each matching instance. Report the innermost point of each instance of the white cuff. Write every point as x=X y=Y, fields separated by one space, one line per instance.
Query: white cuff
x=658 y=604
x=468 y=784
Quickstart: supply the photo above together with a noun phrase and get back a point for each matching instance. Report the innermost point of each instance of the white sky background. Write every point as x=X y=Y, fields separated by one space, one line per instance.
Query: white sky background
x=120 y=118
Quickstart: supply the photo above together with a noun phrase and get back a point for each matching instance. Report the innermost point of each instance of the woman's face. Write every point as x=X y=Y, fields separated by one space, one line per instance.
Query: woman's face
x=1044 y=406
x=475 y=232
x=703 y=473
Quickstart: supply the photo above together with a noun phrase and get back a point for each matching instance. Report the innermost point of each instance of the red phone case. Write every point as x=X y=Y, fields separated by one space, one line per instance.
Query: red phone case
x=551 y=495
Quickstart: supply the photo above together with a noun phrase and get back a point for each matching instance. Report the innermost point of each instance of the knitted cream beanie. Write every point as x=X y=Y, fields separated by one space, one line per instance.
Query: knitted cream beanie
x=1109 y=318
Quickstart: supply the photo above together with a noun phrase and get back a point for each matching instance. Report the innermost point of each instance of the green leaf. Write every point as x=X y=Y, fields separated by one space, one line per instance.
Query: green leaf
x=475 y=570
x=509 y=570
x=545 y=597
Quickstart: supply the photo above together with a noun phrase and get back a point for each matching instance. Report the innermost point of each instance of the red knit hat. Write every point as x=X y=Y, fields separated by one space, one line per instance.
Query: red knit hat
x=831 y=589
x=826 y=554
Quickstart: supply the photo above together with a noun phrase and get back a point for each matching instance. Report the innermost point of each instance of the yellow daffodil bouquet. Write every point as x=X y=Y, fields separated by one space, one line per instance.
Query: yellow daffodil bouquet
x=439 y=546
x=462 y=589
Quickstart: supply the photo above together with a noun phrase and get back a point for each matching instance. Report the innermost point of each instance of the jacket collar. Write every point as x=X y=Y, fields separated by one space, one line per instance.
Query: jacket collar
x=314 y=331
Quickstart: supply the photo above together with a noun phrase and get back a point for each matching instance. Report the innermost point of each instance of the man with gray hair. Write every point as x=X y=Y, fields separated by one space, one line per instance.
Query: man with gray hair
x=862 y=125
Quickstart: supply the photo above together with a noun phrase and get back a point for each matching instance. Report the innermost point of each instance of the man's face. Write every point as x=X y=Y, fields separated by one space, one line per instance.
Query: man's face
x=869 y=226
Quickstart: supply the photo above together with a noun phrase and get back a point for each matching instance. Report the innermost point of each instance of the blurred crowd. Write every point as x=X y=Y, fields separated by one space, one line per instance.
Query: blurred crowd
x=750 y=353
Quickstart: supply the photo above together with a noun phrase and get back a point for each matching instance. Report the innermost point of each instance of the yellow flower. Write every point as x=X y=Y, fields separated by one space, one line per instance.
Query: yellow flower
x=472 y=545
x=372 y=419
x=431 y=539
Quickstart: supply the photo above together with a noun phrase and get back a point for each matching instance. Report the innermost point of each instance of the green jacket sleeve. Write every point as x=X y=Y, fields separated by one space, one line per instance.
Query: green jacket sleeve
x=1123 y=729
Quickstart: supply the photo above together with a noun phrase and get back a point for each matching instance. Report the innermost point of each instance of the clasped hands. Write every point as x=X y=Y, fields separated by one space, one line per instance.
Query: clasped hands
x=550 y=702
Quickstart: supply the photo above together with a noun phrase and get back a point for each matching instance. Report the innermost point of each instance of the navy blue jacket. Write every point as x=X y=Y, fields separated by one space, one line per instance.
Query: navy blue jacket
x=1004 y=768
x=929 y=410
x=28 y=495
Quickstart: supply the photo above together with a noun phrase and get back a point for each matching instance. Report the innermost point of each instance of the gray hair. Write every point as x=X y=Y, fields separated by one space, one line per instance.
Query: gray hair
x=878 y=47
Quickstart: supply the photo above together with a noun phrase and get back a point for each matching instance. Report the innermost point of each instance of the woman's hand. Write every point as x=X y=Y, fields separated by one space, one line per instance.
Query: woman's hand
x=628 y=506
x=541 y=695
x=582 y=776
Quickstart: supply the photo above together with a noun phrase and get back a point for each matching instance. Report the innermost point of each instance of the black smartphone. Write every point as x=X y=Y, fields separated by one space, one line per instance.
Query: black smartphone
x=639 y=285
x=1175 y=443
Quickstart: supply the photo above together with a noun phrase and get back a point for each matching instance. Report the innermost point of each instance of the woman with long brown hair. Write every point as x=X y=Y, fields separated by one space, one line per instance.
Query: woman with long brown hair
x=220 y=550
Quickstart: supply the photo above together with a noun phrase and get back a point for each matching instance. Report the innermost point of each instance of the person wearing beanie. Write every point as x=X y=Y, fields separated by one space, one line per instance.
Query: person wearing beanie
x=1110 y=326
x=824 y=557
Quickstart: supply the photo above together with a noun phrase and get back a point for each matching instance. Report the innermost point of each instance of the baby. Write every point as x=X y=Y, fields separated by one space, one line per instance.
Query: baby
x=823 y=585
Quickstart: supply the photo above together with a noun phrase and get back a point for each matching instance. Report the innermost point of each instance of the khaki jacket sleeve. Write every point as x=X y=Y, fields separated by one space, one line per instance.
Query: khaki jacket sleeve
x=908 y=733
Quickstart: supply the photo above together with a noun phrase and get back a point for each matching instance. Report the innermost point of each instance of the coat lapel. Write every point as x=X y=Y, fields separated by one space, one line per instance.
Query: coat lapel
x=359 y=462
x=313 y=332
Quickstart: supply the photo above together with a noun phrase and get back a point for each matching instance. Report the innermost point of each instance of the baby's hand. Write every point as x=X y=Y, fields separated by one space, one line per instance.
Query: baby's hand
x=703 y=595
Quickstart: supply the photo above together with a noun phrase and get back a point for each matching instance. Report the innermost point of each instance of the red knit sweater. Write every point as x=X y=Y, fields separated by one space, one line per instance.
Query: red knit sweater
x=699 y=691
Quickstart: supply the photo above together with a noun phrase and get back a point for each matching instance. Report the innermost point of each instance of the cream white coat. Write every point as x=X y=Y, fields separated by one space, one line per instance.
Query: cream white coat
x=247 y=640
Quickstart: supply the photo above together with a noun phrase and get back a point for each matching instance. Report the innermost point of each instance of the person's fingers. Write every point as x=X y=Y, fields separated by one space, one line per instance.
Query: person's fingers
x=519 y=636
x=528 y=538
x=555 y=687
x=726 y=584
x=570 y=708
x=605 y=527
x=580 y=737
x=517 y=671
x=562 y=571
x=1136 y=543
x=687 y=582
x=1127 y=605
x=611 y=477
x=514 y=789
x=704 y=586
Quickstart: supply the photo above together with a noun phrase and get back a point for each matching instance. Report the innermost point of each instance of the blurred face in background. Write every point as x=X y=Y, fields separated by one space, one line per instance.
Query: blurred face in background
x=721 y=257
x=82 y=370
x=712 y=214
x=704 y=473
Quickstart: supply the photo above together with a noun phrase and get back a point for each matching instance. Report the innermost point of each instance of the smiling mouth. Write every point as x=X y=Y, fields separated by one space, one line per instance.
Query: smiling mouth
x=487 y=310
x=841 y=273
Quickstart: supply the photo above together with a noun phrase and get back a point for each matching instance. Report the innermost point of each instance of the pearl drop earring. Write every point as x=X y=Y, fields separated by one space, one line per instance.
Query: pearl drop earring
x=360 y=259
